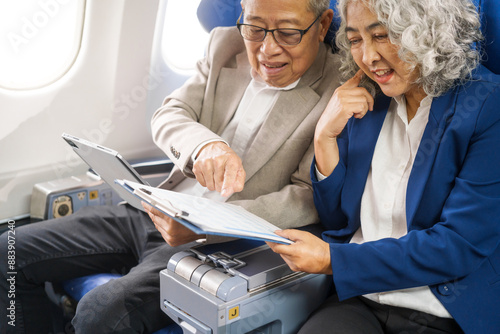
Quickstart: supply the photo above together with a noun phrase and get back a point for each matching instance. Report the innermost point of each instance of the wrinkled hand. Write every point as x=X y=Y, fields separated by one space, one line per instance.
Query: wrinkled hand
x=308 y=254
x=219 y=168
x=174 y=233
x=349 y=100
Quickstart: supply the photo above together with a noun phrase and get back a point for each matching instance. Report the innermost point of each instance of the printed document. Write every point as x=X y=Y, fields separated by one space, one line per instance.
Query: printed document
x=206 y=216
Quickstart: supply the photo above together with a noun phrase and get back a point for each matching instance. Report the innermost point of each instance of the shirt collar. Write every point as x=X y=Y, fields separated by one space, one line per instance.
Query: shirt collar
x=423 y=109
x=425 y=103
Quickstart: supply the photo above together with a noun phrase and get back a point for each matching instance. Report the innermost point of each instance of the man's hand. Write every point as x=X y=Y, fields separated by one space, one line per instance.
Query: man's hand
x=309 y=253
x=174 y=233
x=219 y=168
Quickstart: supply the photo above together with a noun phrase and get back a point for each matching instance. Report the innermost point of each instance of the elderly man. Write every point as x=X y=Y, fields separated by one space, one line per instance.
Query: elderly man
x=239 y=131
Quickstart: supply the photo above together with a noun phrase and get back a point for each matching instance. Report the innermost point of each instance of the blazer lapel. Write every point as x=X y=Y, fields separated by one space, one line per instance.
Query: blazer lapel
x=233 y=91
x=363 y=138
x=291 y=108
x=289 y=111
x=442 y=109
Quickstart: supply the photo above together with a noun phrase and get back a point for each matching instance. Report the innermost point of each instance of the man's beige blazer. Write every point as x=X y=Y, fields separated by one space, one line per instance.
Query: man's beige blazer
x=278 y=186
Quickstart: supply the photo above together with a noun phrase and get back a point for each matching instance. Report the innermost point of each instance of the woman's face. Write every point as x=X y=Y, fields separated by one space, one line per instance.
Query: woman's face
x=375 y=54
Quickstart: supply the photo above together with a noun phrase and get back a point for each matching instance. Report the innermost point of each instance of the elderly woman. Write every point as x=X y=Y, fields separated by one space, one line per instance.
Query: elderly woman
x=407 y=183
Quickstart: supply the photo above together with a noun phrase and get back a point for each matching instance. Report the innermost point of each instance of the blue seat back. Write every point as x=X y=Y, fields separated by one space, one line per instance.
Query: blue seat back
x=214 y=13
x=224 y=13
x=489 y=11
x=218 y=13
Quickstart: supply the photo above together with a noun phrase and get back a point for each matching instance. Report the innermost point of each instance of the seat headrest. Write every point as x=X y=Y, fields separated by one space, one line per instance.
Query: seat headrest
x=224 y=13
x=216 y=13
x=489 y=13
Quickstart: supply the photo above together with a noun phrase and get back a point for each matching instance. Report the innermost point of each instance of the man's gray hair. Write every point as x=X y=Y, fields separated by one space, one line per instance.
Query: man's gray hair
x=441 y=39
x=318 y=7
x=315 y=6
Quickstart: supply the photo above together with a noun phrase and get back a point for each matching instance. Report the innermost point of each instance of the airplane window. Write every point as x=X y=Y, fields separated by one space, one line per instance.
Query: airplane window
x=39 y=42
x=184 y=40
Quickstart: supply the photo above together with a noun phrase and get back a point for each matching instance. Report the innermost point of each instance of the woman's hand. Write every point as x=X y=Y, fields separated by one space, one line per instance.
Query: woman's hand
x=349 y=100
x=174 y=233
x=308 y=254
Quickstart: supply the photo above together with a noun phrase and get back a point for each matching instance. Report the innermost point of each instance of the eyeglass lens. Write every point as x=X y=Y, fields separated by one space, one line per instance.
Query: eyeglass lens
x=282 y=36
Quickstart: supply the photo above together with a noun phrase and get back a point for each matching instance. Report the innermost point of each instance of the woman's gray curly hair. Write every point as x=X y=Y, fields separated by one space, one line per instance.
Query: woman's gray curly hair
x=438 y=37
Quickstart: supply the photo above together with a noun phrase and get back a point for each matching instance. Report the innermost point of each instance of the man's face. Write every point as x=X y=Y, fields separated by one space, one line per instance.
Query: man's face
x=276 y=64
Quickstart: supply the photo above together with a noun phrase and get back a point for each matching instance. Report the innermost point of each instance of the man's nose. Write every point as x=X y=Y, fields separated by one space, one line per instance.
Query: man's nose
x=269 y=45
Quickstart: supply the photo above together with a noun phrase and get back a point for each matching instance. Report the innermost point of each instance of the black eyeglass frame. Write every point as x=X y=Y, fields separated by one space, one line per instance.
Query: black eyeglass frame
x=301 y=31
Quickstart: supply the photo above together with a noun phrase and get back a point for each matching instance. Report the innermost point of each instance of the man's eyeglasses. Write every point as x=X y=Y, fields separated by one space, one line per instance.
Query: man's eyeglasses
x=284 y=36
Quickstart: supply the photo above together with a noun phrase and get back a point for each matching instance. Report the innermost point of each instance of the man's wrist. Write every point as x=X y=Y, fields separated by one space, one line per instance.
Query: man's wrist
x=200 y=147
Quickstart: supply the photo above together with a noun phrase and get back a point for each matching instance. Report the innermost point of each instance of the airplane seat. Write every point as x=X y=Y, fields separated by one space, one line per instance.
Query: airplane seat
x=489 y=11
x=78 y=287
x=213 y=13
x=218 y=13
x=224 y=13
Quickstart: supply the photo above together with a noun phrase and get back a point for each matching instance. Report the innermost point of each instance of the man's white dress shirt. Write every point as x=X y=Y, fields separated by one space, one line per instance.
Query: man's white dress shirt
x=257 y=102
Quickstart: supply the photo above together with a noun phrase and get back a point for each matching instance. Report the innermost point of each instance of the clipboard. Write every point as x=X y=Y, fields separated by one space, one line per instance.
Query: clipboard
x=205 y=216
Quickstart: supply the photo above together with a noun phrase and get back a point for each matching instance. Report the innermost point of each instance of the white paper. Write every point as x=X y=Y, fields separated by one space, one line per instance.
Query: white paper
x=209 y=215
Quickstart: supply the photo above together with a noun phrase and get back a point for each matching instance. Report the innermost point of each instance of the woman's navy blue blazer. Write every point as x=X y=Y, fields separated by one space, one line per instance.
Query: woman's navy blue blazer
x=452 y=207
